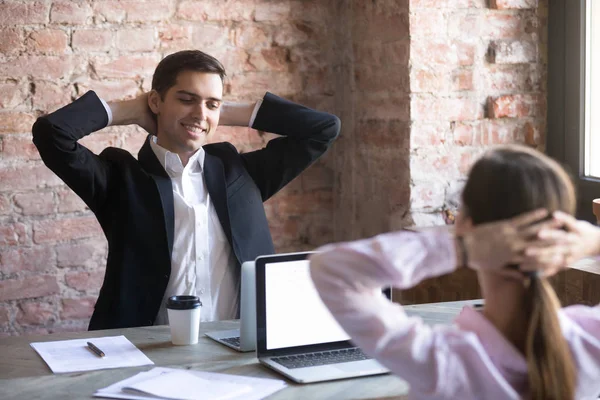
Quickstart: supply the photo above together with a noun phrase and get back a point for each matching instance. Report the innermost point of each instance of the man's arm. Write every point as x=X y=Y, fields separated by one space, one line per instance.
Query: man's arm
x=55 y=135
x=306 y=135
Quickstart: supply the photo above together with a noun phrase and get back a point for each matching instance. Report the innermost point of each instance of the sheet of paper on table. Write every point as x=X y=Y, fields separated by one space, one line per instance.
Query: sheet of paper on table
x=171 y=383
x=74 y=355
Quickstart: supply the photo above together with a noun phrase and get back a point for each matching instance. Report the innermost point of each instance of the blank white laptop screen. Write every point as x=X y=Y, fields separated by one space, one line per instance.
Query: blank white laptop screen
x=295 y=314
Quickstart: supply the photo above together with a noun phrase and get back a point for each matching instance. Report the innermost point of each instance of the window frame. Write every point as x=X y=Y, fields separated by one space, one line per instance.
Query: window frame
x=565 y=140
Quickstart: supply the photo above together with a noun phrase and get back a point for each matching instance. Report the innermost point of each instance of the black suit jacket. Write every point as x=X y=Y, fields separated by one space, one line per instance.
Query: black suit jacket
x=133 y=199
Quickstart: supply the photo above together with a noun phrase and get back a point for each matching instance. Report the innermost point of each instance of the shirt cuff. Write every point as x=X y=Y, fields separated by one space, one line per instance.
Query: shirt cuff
x=108 y=111
x=256 y=107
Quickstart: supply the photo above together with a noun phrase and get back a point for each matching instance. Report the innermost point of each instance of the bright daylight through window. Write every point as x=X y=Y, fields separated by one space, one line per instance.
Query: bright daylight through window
x=592 y=89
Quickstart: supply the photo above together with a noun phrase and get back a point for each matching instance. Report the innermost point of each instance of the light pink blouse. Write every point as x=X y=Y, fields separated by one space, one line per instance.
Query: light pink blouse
x=469 y=359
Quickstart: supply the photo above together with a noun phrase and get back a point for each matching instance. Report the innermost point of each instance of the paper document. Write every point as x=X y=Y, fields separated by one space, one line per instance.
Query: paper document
x=170 y=383
x=74 y=355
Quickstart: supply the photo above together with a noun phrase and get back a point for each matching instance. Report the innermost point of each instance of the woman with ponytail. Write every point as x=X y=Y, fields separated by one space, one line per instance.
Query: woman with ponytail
x=522 y=345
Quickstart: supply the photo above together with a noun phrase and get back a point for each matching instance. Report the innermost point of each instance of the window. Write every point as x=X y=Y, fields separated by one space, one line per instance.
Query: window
x=574 y=95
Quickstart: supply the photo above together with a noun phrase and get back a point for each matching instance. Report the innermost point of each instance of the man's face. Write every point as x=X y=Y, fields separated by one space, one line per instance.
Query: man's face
x=189 y=112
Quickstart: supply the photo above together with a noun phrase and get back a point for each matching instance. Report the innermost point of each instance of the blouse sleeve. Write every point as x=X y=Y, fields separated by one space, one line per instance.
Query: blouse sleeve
x=349 y=278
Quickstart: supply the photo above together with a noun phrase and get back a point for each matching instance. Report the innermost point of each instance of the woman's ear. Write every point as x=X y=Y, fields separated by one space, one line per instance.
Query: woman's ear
x=154 y=101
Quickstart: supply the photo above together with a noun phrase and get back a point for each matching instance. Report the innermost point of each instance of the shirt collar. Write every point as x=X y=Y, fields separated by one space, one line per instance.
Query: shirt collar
x=172 y=163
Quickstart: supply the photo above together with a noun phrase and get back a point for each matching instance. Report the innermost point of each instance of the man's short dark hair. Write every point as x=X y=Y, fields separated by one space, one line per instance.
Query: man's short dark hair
x=169 y=68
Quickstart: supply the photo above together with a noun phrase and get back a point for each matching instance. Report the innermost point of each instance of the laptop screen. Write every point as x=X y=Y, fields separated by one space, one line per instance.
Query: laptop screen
x=294 y=312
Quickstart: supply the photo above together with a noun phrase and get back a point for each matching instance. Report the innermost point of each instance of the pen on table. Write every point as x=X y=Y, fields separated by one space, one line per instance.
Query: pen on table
x=96 y=350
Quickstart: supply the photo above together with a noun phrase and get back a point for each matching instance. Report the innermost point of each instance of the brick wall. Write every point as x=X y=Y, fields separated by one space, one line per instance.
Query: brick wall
x=422 y=88
x=52 y=252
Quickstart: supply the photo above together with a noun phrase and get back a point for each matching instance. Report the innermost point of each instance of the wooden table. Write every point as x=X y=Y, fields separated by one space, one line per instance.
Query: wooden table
x=24 y=375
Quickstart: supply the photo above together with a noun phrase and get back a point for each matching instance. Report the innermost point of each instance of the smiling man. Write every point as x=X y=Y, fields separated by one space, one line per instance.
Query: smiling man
x=182 y=217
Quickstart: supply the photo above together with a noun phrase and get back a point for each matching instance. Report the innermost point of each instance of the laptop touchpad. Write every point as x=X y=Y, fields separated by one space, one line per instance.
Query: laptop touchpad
x=365 y=366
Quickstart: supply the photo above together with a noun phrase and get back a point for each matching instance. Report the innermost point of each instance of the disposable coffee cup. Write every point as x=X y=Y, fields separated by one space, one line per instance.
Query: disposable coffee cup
x=184 y=319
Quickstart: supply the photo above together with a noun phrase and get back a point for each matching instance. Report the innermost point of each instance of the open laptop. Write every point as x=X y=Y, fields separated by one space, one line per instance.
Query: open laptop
x=296 y=334
x=243 y=339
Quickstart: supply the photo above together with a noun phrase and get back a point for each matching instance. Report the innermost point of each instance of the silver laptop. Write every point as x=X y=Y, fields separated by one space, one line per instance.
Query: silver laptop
x=243 y=339
x=295 y=333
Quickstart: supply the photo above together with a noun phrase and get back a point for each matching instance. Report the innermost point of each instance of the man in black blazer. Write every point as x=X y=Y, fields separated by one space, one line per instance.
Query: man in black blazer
x=182 y=217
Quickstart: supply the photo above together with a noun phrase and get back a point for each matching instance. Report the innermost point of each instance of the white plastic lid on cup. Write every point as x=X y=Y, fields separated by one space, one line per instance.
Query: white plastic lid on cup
x=184 y=318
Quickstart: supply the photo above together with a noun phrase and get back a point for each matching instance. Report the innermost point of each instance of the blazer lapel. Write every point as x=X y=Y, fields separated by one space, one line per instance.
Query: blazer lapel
x=214 y=176
x=150 y=163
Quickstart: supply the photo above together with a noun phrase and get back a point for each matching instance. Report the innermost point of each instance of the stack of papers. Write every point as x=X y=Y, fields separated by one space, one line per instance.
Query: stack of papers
x=74 y=355
x=177 y=384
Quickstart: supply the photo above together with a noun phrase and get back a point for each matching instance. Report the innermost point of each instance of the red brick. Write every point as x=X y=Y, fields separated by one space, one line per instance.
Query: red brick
x=367 y=52
x=52 y=231
x=4 y=316
x=70 y=326
x=504 y=26
x=12 y=40
x=432 y=108
x=292 y=34
x=78 y=308
x=514 y=52
x=515 y=106
x=534 y=134
x=5 y=205
x=215 y=10
x=39 y=67
x=70 y=12
x=35 y=259
x=48 y=41
x=48 y=96
x=13 y=234
x=35 y=203
x=464 y=24
x=68 y=201
x=132 y=11
x=85 y=280
x=110 y=90
x=19 y=147
x=128 y=66
x=133 y=142
x=92 y=40
x=80 y=254
x=175 y=37
x=431 y=52
x=36 y=313
x=29 y=287
x=234 y=60
x=12 y=94
x=274 y=12
x=17 y=13
x=513 y=78
x=427 y=133
x=466 y=160
x=501 y=131
x=427 y=195
x=512 y=4
x=27 y=178
x=271 y=59
x=441 y=80
x=255 y=84
x=136 y=39
x=467 y=133
x=249 y=36
x=428 y=22
x=211 y=38
x=16 y=122
x=98 y=141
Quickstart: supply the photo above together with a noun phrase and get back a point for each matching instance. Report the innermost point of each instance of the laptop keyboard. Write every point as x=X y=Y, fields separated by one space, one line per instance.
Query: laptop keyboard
x=234 y=341
x=321 y=358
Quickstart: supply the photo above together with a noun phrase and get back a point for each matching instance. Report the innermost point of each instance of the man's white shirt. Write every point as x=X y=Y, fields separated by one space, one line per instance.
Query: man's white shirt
x=202 y=262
